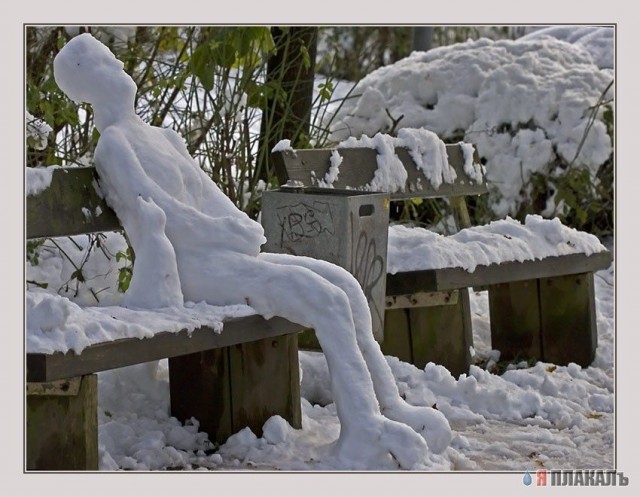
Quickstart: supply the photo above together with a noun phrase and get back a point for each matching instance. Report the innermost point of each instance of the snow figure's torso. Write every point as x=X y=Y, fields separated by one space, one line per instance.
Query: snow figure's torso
x=204 y=227
x=164 y=158
x=135 y=159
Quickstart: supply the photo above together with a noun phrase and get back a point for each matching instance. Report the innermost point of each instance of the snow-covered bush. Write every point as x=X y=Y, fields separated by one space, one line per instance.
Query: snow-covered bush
x=538 y=110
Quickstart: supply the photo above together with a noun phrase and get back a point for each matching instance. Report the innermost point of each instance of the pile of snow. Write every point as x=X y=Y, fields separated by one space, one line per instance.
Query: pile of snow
x=38 y=179
x=414 y=248
x=55 y=324
x=425 y=148
x=598 y=41
x=524 y=104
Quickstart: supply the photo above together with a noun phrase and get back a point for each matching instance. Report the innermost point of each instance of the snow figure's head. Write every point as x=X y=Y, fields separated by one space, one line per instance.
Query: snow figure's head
x=87 y=71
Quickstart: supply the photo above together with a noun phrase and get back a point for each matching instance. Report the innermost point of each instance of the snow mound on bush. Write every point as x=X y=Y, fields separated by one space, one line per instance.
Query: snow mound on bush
x=525 y=104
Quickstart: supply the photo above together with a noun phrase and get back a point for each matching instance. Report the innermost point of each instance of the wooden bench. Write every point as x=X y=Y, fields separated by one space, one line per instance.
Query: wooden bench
x=539 y=309
x=239 y=377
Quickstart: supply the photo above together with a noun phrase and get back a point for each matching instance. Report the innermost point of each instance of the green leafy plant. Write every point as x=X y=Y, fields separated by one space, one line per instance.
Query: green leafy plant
x=125 y=272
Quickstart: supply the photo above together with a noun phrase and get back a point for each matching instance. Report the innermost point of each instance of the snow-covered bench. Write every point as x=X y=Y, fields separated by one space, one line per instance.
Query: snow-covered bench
x=229 y=368
x=539 y=275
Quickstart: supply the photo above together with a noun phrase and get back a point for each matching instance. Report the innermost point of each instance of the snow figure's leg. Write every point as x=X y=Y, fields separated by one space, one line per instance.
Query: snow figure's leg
x=366 y=437
x=430 y=423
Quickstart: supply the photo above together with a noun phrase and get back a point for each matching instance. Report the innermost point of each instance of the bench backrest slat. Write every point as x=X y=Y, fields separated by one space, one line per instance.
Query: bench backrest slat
x=69 y=206
x=359 y=166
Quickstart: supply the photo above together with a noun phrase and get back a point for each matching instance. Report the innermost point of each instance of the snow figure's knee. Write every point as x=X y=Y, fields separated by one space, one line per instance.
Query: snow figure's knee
x=351 y=293
x=299 y=294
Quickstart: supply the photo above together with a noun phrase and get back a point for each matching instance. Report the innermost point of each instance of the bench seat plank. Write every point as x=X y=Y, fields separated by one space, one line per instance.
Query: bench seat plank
x=432 y=280
x=129 y=351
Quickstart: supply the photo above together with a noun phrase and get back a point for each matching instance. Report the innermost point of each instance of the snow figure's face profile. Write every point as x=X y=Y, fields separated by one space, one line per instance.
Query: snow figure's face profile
x=87 y=71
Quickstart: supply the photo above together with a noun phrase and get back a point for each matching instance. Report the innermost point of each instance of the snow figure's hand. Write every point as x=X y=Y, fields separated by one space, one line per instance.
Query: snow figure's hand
x=155 y=282
x=428 y=422
x=379 y=440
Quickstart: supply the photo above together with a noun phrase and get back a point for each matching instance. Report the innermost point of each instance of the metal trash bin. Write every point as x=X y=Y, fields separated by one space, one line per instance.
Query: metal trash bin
x=346 y=227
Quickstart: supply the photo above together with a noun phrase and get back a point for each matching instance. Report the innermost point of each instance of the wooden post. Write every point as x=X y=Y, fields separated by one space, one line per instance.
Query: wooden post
x=242 y=385
x=442 y=334
x=515 y=320
x=551 y=319
x=265 y=381
x=397 y=335
x=460 y=212
x=62 y=425
x=200 y=387
x=568 y=319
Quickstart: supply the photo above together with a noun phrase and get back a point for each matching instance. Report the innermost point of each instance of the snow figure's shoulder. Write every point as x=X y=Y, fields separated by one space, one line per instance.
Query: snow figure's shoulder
x=176 y=140
x=114 y=145
x=112 y=136
x=111 y=141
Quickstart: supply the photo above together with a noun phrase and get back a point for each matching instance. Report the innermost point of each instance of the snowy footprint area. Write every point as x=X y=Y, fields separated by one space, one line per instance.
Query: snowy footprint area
x=543 y=416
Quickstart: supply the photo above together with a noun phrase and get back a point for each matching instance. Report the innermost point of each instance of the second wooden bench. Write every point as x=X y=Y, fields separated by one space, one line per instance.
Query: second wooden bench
x=540 y=309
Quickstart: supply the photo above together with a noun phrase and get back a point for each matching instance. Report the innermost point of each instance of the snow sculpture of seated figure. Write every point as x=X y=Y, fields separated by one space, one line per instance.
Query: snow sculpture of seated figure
x=216 y=252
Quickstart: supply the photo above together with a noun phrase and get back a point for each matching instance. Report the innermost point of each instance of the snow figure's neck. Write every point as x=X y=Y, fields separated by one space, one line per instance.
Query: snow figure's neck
x=112 y=112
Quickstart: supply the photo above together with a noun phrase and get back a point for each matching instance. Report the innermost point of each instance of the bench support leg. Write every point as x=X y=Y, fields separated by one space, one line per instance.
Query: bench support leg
x=397 y=335
x=62 y=425
x=550 y=319
x=441 y=334
x=234 y=387
x=568 y=319
x=515 y=320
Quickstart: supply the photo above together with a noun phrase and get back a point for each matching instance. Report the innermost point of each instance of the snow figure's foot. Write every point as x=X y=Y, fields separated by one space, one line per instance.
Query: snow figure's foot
x=380 y=443
x=428 y=422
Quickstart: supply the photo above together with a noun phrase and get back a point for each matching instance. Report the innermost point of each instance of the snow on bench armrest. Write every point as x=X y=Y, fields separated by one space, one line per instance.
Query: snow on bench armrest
x=39 y=179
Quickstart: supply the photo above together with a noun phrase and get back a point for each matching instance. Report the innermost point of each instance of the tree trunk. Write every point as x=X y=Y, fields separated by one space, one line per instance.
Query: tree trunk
x=290 y=72
x=422 y=38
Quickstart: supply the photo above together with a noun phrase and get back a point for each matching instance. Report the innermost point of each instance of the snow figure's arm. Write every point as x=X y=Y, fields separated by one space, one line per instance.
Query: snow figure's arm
x=155 y=282
x=120 y=171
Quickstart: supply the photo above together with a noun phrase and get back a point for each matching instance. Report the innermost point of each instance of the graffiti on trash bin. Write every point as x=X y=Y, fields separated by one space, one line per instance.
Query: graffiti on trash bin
x=304 y=220
x=367 y=265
